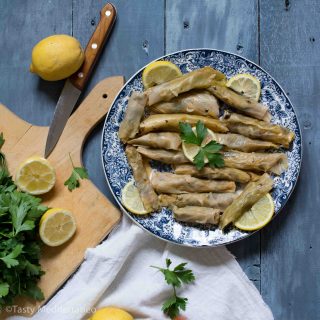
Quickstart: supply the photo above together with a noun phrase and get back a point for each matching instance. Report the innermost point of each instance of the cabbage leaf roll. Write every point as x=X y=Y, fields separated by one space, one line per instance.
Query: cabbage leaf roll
x=245 y=105
x=212 y=200
x=165 y=156
x=158 y=140
x=170 y=122
x=230 y=174
x=166 y=182
x=239 y=142
x=257 y=129
x=147 y=194
x=196 y=214
x=129 y=127
x=255 y=161
x=197 y=79
x=196 y=102
x=249 y=196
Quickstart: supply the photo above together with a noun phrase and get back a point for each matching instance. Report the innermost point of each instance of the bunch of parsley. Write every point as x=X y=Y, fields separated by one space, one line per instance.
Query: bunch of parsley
x=209 y=150
x=19 y=245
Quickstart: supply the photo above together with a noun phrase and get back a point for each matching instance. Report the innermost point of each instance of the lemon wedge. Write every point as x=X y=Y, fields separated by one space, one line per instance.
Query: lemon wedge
x=258 y=216
x=159 y=72
x=190 y=150
x=131 y=199
x=35 y=176
x=57 y=226
x=245 y=84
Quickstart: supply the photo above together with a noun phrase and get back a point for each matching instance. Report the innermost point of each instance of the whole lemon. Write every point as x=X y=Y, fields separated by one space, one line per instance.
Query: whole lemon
x=56 y=57
x=111 y=313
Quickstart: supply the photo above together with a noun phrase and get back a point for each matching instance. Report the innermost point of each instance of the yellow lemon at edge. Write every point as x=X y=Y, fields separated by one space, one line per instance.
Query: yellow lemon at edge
x=111 y=313
x=56 y=57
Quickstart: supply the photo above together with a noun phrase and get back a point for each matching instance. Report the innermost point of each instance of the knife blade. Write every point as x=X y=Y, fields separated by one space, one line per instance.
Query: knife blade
x=76 y=83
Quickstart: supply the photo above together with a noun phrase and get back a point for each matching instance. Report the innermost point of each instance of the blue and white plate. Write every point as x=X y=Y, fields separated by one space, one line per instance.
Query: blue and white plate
x=118 y=172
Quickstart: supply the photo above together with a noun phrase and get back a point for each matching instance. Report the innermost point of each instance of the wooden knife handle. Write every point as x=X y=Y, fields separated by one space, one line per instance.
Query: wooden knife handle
x=95 y=46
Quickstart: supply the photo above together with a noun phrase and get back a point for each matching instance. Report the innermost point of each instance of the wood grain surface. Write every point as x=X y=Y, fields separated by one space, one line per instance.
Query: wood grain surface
x=87 y=203
x=283 y=35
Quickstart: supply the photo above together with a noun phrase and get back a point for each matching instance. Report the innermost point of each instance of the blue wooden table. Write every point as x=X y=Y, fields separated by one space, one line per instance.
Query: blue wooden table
x=281 y=35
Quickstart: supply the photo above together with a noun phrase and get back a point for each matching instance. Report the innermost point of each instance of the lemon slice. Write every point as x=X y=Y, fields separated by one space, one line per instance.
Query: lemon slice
x=57 y=226
x=35 y=176
x=245 y=84
x=158 y=72
x=258 y=216
x=190 y=150
x=131 y=199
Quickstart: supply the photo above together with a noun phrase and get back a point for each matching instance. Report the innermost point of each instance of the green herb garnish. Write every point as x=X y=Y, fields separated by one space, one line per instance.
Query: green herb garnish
x=77 y=173
x=176 y=277
x=20 y=269
x=209 y=151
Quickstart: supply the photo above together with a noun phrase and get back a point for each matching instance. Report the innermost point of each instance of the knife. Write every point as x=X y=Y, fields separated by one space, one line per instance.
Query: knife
x=76 y=83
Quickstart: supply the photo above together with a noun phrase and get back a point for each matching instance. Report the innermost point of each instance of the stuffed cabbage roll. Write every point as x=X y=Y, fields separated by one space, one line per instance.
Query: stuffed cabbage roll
x=212 y=200
x=253 y=176
x=197 y=79
x=256 y=129
x=245 y=105
x=147 y=194
x=266 y=162
x=238 y=142
x=197 y=102
x=170 y=122
x=129 y=127
x=165 y=182
x=195 y=214
x=159 y=140
x=249 y=196
x=165 y=156
x=231 y=174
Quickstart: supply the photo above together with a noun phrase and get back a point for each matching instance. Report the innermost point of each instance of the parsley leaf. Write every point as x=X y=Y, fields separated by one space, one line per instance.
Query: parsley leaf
x=215 y=160
x=78 y=173
x=188 y=135
x=4 y=289
x=209 y=151
x=10 y=259
x=176 y=277
x=201 y=131
x=20 y=213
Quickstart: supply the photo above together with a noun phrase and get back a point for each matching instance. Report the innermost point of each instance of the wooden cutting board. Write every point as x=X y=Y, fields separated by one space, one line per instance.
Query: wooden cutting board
x=95 y=215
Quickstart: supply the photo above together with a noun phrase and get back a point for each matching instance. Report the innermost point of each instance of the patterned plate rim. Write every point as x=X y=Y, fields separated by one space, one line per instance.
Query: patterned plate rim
x=123 y=209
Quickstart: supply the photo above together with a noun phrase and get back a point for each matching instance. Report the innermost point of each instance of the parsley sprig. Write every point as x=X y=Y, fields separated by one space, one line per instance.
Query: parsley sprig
x=209 y=151
x=176 y=277
x=20 y=269
x=78 y=173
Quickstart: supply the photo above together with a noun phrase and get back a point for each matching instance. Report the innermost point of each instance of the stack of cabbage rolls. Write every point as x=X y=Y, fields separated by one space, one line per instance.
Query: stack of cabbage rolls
x=251 y=144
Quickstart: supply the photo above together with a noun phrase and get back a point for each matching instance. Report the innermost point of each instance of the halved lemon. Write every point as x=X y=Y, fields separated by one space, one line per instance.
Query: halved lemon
x=56 y=227
x=258 y=216
x=35 y=176
x=191 y=150
x=245 y=84
x=159 y=72
x=131 y=199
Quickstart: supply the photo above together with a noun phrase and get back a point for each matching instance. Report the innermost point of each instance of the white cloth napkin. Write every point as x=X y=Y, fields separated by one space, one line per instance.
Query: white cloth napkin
x=118 y=273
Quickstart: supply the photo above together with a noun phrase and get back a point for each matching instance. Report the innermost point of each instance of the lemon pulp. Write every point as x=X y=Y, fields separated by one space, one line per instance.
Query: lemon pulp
x=35 y=176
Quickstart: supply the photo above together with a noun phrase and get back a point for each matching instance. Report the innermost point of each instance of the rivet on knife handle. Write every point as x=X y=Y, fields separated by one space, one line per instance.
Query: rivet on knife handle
x=95 y=46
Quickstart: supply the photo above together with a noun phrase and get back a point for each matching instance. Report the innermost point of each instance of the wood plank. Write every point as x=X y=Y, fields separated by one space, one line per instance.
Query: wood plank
x=225 y=25
x=22 y=25
x=134 y=42
x=290 y=47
